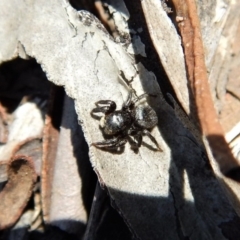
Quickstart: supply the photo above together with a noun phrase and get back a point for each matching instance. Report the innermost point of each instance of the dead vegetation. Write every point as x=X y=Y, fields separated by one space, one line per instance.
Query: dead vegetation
x=58 y=59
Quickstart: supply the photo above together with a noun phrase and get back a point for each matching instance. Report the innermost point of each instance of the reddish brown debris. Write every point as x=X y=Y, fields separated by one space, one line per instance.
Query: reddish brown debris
x=50 y=143
x=31 y=147
x=18 y=190
x=189 y=27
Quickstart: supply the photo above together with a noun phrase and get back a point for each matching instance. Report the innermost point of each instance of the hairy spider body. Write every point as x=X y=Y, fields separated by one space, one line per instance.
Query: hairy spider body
x=116 y=122
x=129 y=123
x=145 y=117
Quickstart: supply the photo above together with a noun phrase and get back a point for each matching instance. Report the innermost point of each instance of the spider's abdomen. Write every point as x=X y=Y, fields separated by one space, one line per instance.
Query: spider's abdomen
x=116 y=122
x=145 y=117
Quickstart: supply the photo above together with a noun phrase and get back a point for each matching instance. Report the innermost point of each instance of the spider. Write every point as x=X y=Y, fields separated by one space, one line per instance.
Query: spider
x=128 y=124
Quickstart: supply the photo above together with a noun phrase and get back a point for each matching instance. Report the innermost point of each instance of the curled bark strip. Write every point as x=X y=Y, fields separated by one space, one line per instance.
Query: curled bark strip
x=50 y=142
x=163 y=32
x=72 y=175
x=187 y=34
x=31 y=147
x=15 y=195
x=189 y=27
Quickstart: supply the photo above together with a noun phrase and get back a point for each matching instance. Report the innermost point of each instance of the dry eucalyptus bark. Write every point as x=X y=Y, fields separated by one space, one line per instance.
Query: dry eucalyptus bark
x=21 y=179
x=66 y=201
x=173 y=194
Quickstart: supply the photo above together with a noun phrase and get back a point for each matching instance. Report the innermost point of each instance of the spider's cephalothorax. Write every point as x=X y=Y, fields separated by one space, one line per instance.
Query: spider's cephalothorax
x=129 y=123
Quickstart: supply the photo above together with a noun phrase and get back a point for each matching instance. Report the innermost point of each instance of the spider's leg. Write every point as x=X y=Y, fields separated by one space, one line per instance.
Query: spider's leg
x=137 y=139
x=109 y=107
x=129 y=101
x=147 y=133
x=111 y=143
x=144 y=95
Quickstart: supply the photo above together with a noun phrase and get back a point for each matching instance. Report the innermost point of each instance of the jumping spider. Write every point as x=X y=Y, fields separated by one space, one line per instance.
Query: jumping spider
x=129 y=123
